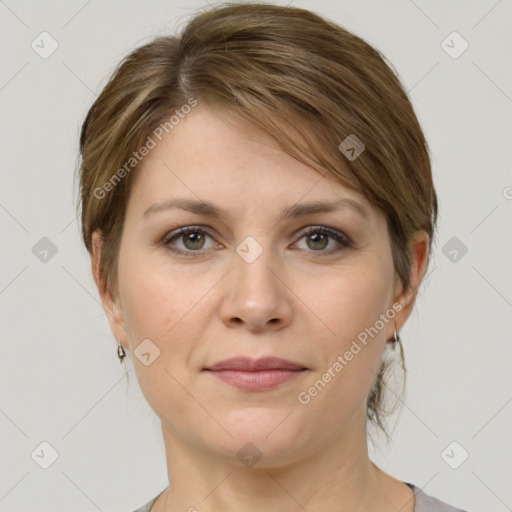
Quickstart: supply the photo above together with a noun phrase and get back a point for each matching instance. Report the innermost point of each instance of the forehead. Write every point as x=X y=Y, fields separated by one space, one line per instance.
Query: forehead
x=212 y=155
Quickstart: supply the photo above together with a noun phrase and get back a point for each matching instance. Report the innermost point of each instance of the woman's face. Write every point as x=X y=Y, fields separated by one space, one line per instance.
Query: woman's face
x=251 y=283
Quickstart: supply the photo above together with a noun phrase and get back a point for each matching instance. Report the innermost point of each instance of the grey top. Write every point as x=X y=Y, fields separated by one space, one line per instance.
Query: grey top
x=424 y=503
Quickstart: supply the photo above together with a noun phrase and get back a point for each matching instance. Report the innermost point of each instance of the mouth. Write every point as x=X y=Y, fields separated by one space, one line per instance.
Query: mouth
x=256 y=374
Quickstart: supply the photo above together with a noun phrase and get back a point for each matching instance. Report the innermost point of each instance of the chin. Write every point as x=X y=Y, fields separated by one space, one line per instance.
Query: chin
x=260 y=437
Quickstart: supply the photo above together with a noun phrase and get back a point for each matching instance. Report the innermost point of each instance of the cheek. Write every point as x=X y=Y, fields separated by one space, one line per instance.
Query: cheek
x=164 y=305
x=352 y=300
x=152 y=297
x=351 y=308
x=158 y=307
x=147 y=304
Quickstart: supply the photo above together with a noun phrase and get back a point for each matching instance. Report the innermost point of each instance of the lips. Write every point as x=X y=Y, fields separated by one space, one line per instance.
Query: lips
x=256 y=374
x=245 y=364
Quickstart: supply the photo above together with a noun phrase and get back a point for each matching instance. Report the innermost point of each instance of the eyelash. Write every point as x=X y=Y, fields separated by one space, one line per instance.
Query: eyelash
x=341 y=238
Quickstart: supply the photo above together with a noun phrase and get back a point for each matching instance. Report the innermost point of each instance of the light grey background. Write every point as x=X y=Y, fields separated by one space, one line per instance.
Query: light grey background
x=61 y=381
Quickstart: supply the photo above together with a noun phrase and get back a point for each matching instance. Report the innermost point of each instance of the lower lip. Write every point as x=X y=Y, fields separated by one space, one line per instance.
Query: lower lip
x=256 y=380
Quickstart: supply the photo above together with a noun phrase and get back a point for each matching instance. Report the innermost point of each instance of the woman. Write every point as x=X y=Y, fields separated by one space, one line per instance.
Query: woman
x=257 y=200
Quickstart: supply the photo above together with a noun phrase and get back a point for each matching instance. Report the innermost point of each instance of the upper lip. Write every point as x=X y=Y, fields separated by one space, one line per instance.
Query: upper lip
x=252 y=365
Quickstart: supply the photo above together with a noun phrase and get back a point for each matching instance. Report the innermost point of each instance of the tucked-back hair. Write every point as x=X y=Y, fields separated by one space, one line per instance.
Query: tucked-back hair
x=305 y=81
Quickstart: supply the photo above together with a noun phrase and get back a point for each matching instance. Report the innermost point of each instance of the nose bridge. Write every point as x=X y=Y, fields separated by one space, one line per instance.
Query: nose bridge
x=255 y=294
x=252 y=275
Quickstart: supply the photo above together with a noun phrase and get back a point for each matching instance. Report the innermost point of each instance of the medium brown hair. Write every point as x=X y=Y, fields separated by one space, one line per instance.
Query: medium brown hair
x=305 y=81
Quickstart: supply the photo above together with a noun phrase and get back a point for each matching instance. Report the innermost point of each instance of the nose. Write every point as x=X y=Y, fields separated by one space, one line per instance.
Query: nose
x=255 y=295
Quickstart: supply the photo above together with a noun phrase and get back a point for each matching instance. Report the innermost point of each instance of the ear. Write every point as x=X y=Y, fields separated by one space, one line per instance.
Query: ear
x=111 y=304
x=418 y=247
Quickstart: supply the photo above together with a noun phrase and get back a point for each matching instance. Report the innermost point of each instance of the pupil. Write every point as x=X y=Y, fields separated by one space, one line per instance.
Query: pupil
x=194 y=238
x=315 y=238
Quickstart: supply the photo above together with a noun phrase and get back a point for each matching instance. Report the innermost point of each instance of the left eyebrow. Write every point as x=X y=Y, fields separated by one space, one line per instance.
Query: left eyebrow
x=297 y=210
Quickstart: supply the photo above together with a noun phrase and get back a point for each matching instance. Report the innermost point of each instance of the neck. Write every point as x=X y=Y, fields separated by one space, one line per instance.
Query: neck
x=339 y=476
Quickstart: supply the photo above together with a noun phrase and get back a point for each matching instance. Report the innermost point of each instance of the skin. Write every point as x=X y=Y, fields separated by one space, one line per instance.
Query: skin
x=294 y=301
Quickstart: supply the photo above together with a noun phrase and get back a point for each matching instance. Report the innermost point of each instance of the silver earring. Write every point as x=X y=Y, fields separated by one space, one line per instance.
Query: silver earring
x=120 y=351
x=396 y=337
x=397 y=343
